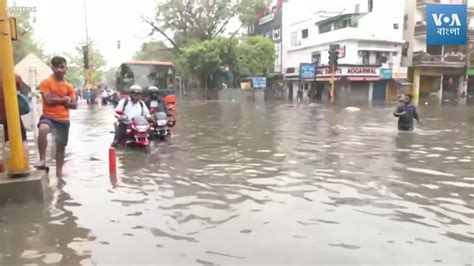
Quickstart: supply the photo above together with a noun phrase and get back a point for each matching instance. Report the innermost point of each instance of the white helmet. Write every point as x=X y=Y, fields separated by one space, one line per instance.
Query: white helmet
x=136 y=89
x=152 y=89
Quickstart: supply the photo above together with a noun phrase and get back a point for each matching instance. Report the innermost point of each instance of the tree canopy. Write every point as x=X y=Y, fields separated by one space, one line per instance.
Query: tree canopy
x=191 y=20
x=256 y=56
x=26 y=43
x=154 y=50
x=206 y=46
x=253 y=57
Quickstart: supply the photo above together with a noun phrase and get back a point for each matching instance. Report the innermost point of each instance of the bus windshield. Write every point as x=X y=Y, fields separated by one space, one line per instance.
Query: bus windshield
x=145 y=75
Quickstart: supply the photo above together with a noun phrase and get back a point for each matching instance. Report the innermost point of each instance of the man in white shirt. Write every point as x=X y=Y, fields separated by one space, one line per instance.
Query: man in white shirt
x=132 y=107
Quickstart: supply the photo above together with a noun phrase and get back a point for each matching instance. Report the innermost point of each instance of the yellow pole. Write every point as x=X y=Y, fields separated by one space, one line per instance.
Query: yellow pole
x=17 y=163
x=416 y=86
x=332 y=83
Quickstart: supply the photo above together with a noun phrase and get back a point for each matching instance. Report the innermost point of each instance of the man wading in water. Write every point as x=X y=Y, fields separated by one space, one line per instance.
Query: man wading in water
x=406 y=112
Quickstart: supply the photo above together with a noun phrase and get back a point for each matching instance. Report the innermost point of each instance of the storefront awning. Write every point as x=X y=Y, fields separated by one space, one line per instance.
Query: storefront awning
x=402 y=82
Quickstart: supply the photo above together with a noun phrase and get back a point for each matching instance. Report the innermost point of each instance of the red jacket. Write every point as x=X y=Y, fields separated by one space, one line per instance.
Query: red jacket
x=2 y=100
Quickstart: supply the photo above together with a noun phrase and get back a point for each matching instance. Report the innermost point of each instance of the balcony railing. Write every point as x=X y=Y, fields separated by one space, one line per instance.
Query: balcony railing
x=420 y=29
x=447 y=60
x=424 y=2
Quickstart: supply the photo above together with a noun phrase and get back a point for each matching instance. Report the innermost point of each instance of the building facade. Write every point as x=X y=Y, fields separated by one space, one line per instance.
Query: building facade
x=370 y=35
x=435 y=71
x=269 y=24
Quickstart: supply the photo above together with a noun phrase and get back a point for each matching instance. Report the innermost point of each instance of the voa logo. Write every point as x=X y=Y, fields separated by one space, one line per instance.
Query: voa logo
x=444 y=20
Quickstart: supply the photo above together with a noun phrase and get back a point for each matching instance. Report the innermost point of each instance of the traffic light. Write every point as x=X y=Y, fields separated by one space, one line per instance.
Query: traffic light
x=333 y=55
x=118 y=44
x=85 y=52
x=14 y=35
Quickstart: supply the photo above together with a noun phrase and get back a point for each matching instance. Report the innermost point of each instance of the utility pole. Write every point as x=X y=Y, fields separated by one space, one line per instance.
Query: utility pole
x=87 y=53
x=17 y=161
x=333 y=57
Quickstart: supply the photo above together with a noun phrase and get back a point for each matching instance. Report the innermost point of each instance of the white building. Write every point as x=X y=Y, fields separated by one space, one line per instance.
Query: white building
x=370 y=34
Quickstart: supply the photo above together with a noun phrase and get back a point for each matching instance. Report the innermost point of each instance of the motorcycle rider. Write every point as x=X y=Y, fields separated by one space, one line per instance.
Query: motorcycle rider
x=132 y=107
x=155 y=101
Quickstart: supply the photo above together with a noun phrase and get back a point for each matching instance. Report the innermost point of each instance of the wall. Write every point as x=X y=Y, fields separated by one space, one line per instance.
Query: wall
x=379 y=24
x=409 y=32
x=376 y=28
x=429 y=84
x=269 y=26
x=295 y=57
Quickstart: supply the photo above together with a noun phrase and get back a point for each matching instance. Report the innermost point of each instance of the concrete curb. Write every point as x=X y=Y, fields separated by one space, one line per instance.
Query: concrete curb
x=21 y=190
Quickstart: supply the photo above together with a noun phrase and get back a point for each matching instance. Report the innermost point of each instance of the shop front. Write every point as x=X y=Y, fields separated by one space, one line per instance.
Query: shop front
x=355 y=83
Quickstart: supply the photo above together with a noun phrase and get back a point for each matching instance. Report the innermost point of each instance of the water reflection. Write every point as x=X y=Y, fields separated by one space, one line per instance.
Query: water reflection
x=266 y=183
x=44 y=233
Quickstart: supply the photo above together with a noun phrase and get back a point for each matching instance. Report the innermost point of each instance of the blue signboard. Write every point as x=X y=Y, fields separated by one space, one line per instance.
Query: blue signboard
x=446 y=24
x=308 y=71
x=259 y=82
x=386 y=73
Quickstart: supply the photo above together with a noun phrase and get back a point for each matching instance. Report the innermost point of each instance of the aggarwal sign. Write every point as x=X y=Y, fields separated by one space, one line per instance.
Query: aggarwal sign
x=362 y=71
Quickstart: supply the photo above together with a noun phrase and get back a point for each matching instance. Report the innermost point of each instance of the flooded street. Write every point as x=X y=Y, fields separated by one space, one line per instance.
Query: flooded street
x=259 y=183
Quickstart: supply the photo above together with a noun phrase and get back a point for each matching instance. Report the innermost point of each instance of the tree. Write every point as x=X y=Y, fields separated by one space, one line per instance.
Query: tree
x=256 y=56
x=247 y=10
x=201 y=60
x=205 y=60
x=201 y=20
x=26 y=43
x=154 y=50
x=75 y=74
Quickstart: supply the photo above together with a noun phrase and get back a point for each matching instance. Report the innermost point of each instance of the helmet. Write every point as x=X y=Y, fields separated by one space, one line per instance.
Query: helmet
x=136 y=89
x=152 y=89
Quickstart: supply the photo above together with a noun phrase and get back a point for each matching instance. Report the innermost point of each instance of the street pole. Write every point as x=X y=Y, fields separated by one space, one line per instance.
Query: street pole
x=17 y=163
x=85 y=21
x=332 y=83
x=88 y=71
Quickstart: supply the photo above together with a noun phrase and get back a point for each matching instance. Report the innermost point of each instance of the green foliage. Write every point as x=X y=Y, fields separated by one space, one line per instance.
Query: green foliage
x=26 y=43
x=201 y=20
x=194 y=20
x=75 y=73
x=198 y=27
x=253 y=57
x=203 y=59
x=154 y=50
x=256 y=56
x=247 y=10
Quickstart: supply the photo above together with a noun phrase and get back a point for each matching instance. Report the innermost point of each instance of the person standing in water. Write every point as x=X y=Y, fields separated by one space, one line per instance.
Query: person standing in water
x=406 y=112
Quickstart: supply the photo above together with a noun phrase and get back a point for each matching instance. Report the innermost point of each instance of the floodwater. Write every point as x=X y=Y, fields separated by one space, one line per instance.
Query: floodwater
x=259 y=183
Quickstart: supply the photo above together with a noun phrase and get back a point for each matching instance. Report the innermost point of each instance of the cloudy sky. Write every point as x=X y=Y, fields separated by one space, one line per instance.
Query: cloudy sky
x=60 y=25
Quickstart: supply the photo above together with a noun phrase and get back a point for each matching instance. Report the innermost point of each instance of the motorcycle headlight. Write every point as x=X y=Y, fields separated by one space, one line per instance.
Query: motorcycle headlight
x=161 y=123
x=142 y=128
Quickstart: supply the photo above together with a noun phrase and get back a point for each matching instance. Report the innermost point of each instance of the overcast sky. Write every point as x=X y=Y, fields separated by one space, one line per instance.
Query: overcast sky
x=60 y=24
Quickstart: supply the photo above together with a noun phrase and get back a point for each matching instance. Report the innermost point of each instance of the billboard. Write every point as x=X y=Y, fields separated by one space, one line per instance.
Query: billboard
x=308 y=71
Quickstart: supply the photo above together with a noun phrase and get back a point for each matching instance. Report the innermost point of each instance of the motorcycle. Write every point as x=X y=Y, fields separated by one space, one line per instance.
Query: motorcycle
x=159 y=125
x=137 y=131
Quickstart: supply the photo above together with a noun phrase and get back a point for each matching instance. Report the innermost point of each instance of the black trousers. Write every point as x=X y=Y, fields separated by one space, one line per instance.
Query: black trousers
x=120 y=132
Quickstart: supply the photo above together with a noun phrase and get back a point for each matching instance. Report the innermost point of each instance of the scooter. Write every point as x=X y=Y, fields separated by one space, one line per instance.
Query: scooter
x=137 y=131
x=159 y=125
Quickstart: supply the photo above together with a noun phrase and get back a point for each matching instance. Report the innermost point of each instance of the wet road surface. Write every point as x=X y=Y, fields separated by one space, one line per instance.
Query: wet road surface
x=272 y=183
